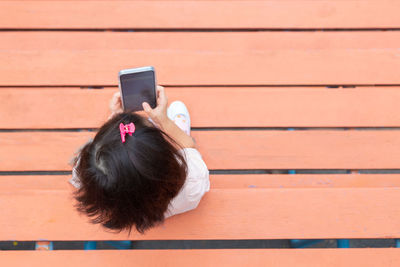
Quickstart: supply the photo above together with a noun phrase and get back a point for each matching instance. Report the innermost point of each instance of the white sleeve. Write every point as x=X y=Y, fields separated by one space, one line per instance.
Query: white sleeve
x=196 y=185
x=75 y=179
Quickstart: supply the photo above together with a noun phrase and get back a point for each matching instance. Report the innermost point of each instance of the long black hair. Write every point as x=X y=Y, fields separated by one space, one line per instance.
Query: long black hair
x=125 y=185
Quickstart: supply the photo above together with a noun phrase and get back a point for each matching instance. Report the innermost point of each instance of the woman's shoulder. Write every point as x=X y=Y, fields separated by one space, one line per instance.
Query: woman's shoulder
x=196 y=185
x=197 y=168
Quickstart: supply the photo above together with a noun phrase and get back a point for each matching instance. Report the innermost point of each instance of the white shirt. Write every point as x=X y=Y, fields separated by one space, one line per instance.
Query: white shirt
x=197 y=183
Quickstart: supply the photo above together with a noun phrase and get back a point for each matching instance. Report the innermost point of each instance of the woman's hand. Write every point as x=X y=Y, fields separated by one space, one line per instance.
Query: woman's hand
x=159 y=113
x=159 y=116
x=115 y=104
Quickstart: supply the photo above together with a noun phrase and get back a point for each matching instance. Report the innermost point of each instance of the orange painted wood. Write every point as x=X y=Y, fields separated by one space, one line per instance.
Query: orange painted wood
x=305 y=181
x=252 y=213
x=321 y=149
x=227 y=181
x=211 y=107
x=368 y=257
x=232 y=58
x=198 y=14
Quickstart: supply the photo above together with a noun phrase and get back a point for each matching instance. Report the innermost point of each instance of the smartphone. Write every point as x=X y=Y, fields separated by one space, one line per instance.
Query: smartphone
x=137 y=85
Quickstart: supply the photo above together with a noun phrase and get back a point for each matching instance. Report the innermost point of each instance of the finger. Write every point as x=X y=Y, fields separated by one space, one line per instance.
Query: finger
x=147 y=109
x=115 y=98
x=162 y=97
x=119 y=102
x=116 y=95
x=159 y=93
x=116 y=102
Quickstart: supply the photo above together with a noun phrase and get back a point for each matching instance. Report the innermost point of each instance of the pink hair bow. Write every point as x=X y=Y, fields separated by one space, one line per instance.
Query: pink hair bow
x=126 y=129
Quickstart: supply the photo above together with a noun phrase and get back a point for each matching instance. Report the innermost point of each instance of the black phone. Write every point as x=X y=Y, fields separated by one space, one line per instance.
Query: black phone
x=137 y=85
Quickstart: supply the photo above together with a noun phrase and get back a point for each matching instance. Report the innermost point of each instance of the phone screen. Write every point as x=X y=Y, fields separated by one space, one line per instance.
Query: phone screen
x=137 y=88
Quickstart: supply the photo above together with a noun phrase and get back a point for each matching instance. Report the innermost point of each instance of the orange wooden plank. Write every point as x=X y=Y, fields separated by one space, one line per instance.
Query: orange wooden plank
x=252 y=213
x=367 y=257
x=228 y=181
x=211 y=107
x=322 y=149
x=199 y=14
x=232 y=58
x=305 y=181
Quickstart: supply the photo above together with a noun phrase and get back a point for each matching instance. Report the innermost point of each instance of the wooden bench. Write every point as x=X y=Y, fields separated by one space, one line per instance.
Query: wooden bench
x=244 y=89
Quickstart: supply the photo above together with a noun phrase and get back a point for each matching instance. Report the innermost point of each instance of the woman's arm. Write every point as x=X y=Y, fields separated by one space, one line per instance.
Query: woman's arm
x=177 y=134
x=159 y=116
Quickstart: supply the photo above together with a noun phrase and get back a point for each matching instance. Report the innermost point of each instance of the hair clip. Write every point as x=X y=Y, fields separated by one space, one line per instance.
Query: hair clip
x=124 y=129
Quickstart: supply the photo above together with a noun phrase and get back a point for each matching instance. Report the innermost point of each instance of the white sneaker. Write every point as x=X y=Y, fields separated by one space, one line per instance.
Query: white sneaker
x=179 y=114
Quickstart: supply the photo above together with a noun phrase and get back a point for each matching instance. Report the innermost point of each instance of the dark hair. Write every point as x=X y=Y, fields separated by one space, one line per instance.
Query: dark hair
x=132 y=183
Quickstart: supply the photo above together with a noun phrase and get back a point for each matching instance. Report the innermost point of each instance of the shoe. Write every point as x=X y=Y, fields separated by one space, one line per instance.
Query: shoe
x=179 y=114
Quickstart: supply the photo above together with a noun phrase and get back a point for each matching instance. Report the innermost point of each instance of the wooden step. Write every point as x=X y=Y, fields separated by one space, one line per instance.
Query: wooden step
x=198 y=14
x=368 y=257
x=228 y=181
x=189 y=58
x=320 y=149
x=32 y=211
x=40 y=108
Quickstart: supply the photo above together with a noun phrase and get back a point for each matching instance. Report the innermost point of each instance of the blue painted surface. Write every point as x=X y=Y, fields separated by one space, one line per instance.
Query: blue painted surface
x=343 y=243
x=90 y=245
x=303 y=243
x=126 y=244
x=397 y=243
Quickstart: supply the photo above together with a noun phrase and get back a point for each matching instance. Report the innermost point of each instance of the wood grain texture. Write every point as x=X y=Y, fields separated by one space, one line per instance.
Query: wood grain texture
x=252 y=213
x=238 y=206
x=322 y=149
x=305 y=181
x=198 y=14
x=232 y=58
x=368 y=257
x=211 y=107
x=227 y=181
